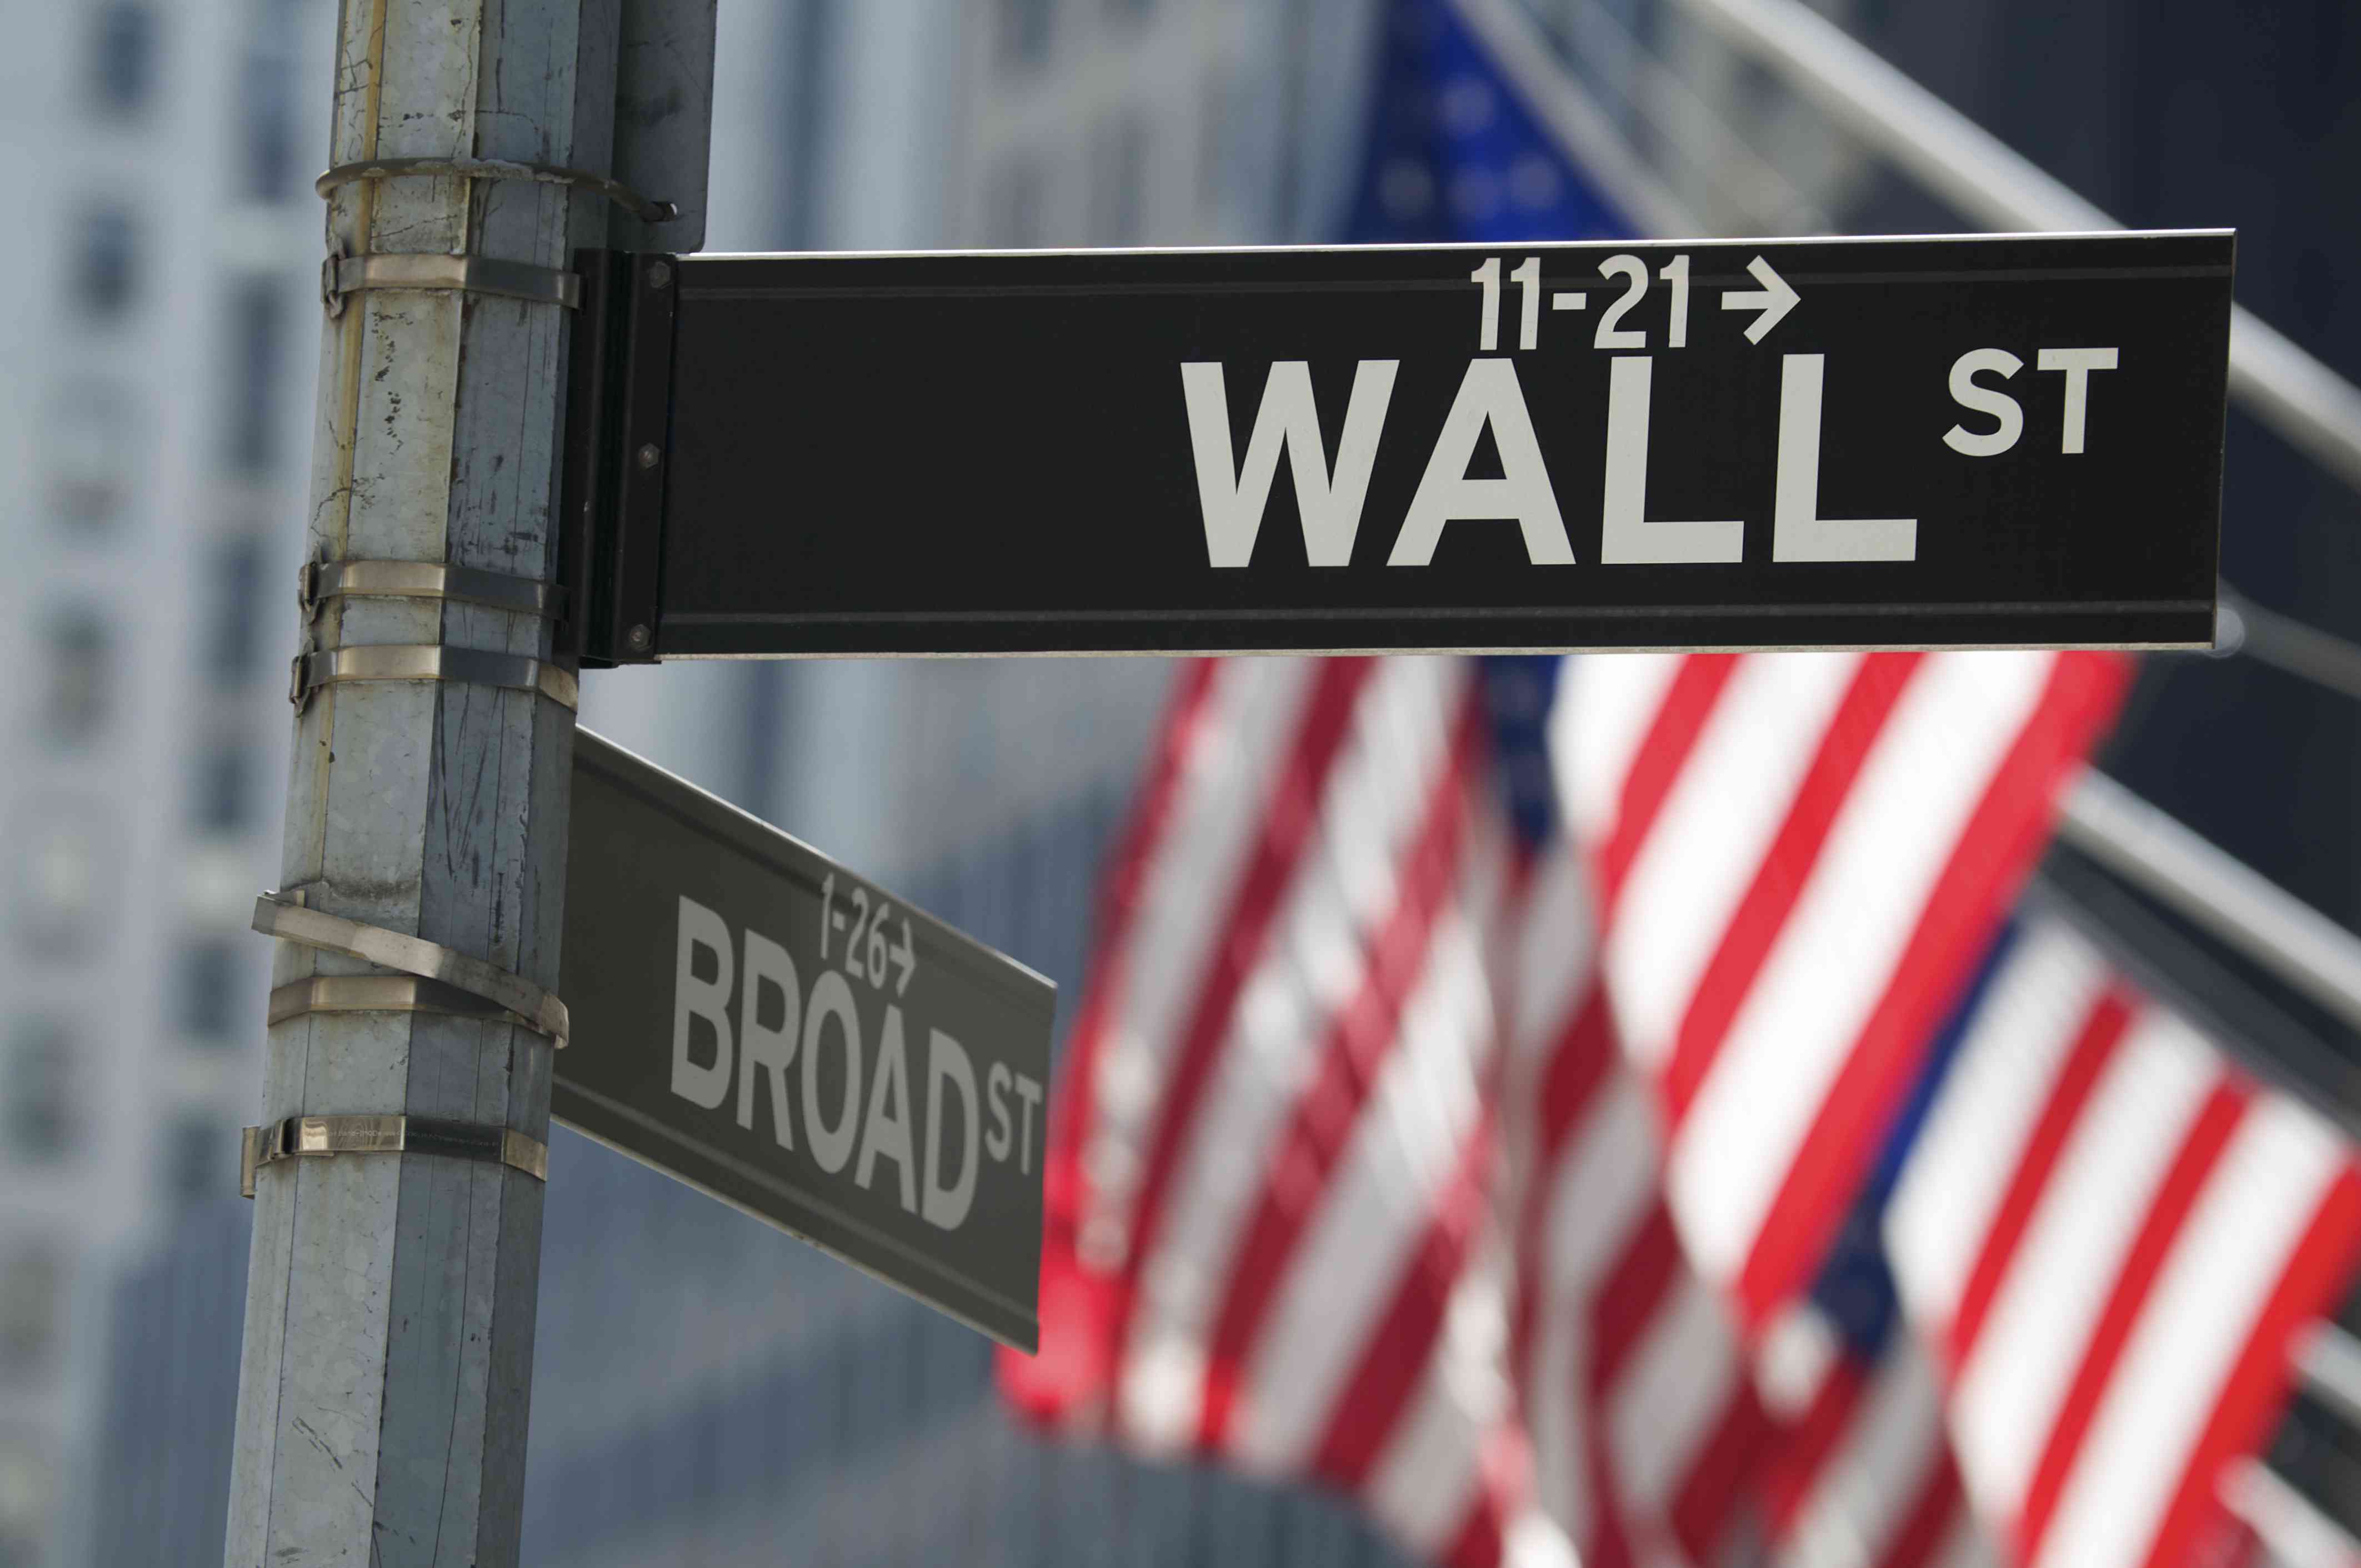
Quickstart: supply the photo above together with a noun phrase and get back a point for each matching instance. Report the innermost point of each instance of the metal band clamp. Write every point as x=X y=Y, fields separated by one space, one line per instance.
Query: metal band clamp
x=646 y=209
x=299 y=1137
x=319 y=581
x=342 y=275
x=428 y=662
x=378 y=994
x=280 y=916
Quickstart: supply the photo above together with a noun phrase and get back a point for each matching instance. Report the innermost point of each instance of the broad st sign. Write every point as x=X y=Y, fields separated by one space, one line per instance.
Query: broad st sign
x=762 y=1024
x=1776 y=444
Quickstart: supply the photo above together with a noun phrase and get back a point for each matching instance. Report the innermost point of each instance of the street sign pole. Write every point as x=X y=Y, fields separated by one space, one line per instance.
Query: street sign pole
x=398 y=1171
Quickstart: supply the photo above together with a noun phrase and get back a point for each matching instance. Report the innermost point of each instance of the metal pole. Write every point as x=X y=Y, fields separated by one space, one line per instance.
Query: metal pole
x=389 y=1314
x=2320 y=959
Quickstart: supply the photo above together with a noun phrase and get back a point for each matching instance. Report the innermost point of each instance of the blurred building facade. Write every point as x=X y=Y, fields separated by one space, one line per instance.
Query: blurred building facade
x=708 y=1390
x=155 y=372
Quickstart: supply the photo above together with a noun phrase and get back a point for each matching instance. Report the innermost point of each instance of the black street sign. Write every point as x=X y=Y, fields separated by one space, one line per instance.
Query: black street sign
x=1946 y=441
x=754 y=1019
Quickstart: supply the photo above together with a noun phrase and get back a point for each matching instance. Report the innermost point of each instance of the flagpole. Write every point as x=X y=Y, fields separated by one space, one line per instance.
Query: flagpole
x=2331 y=1360
x=2296 y=395
x=2216 y=891
x=2292 y=1529
x=2308 y=404
x=1582 y=130
x=1962 y=160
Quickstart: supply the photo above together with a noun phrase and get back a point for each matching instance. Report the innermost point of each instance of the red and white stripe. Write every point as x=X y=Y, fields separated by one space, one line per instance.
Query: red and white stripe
x=1864 y=1474
x=1645 y=1424
x=1272 y=1165
x=2112 y=1237
x=1798 y=858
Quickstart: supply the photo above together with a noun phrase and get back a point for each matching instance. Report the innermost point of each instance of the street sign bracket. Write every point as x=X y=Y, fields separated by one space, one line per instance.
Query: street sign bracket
x=342 y=275
x=618 y=455
x=377 y=993
x=302 y=1137
x=646 y=208
x=320 y=581
x=288 y=916
x=317 y=667
x=662 y=104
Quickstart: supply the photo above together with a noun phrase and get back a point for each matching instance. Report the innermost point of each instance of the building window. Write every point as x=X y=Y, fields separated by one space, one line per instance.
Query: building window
x=39 y=1092
x=27 y=1480
x=1017 y=199
x=79 y=675
x=1216 y=136
x=234 y=643
x=1025 y=31
x=225 y=792
x=1118 y=181
x=256 y=322
x=91 y=448
x=122 y=57
x=211 y=986
x=105 y=269
x=31 y=1280
x=57 y=896
x=269 y=106
x=196 y=1161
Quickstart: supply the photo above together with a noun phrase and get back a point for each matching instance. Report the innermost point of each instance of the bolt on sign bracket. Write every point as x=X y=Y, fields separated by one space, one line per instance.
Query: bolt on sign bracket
x=617 y=468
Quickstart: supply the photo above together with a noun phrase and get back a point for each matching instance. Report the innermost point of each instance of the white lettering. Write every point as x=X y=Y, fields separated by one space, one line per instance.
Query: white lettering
x=1628 y=539
x=888 y=1132
x=1798 y=532
x=1491 y=396
x=1989 y=400
x=2077 y=363
x=947 y=1063
x=1029 y=1090
x=694 y=998
x=1003 y=1131
x=1232 y=499
x=764 y=1046
x=1634 y=272
x=831 y=998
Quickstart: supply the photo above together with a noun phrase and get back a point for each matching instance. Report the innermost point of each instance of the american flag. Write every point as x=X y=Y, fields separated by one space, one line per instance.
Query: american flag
x=1798 y=858
x=1492 y=1081
x=1645 y=1421
x=1862 y=1472
x=2110 y=1237
x=1348 y=1180
x=1272 y=1161
x=1351 y=1180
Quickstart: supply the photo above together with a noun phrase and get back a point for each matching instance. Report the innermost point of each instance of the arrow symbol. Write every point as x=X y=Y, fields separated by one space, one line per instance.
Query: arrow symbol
x=1774 y=299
